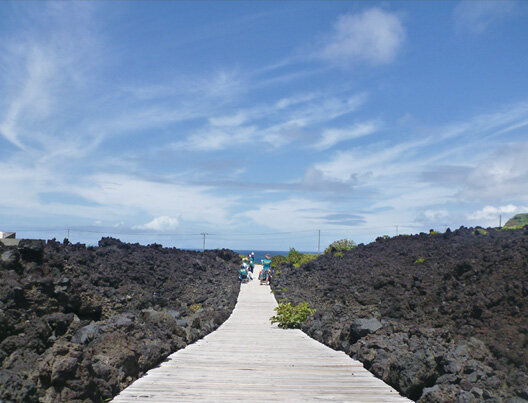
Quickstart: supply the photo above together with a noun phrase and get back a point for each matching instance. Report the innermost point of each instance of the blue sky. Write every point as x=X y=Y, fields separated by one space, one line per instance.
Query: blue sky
x=261 y=122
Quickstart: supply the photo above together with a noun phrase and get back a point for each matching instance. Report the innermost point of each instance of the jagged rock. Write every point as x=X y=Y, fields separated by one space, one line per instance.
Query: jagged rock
x=59 y=322
x=10 y=259
x=362 y=327
x=86 y=334
x=31 y=250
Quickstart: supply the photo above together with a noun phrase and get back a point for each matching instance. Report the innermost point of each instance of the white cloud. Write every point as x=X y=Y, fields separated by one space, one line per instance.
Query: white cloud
x=162 y=223
x=374 y=36
x=491 y=212
x=331 y=137
x=477 y=16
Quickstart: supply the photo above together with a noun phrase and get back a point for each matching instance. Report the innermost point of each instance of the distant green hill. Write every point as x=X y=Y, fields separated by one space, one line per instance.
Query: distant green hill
x=517 y=221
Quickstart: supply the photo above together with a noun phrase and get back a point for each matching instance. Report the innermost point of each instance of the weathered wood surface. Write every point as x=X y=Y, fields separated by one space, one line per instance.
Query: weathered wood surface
x=249 y=359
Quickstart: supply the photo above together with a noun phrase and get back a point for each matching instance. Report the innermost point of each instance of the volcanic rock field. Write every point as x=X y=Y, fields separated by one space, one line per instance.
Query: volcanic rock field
x=81 y=323
x=440 y=317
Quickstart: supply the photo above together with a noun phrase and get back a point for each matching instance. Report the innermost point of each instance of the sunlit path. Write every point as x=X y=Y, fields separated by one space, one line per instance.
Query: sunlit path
x=249 y=359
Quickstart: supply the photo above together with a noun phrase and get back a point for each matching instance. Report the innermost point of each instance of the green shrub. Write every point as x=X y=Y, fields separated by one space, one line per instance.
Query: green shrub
x=341 y=245
x=480 y=231
x=419 y=260
x=339 y=254
x=294 y=256
x=290 y=316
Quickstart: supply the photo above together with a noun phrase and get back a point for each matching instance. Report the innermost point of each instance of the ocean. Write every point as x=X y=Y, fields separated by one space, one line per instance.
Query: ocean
x=261 y=254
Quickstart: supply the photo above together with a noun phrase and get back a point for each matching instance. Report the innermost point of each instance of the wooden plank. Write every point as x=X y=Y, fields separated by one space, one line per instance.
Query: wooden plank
x=248 y=359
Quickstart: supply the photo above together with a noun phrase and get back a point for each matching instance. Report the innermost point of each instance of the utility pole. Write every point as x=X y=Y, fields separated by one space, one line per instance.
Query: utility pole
x=396 y=230
x=319 y=243
x=204 y=235
x=68 y=234
x=500 y=221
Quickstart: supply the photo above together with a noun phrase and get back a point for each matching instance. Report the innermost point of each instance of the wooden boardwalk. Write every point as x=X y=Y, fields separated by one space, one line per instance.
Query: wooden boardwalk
x=249 y=359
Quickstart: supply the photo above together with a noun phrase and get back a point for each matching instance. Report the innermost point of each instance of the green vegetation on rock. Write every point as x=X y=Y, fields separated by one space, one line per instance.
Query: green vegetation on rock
x=291 y=316
x=341 y=245
x=517 y=221
x=195 y=307
x=294 y=258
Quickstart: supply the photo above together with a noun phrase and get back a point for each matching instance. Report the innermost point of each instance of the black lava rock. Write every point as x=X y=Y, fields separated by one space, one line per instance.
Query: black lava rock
x=440 y=317
x=81 y=323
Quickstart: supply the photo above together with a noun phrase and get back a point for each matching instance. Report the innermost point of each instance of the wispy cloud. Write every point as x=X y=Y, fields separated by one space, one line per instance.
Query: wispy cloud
x=477 y=16
x=301 y=214
x=331 y=137
x=43 y=68
x=215 y=139
x=192 y=204
x=502 y=172
x=371 y=162
x=277 y=124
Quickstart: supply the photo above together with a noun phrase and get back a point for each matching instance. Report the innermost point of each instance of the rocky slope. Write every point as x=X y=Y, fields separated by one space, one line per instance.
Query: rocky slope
x=81 y=323
x=440 y=317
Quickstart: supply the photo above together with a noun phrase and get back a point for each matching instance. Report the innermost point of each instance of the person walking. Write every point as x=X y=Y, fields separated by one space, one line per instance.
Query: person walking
x=251 y=261
x=266 y=270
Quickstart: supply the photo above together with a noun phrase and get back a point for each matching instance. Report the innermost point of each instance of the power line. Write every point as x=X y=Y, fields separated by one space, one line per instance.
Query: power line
x=228 y=235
